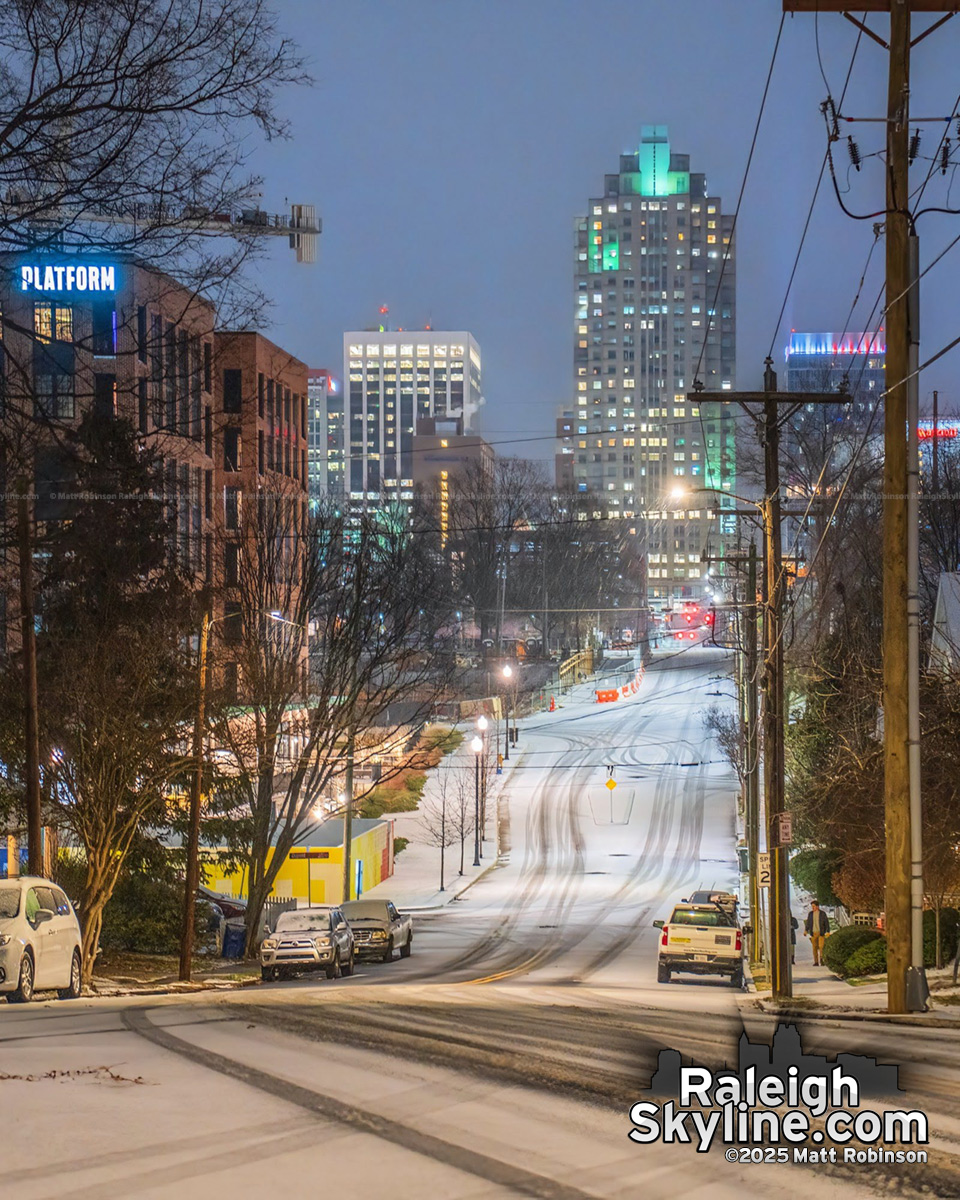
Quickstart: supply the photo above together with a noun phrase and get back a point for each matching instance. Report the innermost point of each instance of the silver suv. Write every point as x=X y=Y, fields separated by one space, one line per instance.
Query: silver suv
x=306 y=939
x=40 y=943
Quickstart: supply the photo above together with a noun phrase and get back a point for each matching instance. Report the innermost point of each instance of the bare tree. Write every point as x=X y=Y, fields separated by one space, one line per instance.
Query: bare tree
x=436 y=820
x=333 y=624
x=488 y=509
x=123 y=126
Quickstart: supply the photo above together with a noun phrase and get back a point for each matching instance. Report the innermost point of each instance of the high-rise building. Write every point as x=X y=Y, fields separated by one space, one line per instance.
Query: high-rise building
x=821 y=437
x=655 y=310
x=325 y=461
x=821 y=362
x=392 y=381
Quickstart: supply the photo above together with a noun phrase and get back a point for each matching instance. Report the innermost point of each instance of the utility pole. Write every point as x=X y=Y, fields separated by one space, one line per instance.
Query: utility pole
x=751 y=740
x=752 y=749
x=935 y=447
x=774 y=731
x=906 y=986
x=769 y=424
x=31 y=704
x=348 y=816
x=196 y=795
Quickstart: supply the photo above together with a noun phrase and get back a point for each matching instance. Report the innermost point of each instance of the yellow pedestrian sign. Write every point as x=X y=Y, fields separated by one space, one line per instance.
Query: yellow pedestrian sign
x=611 y=784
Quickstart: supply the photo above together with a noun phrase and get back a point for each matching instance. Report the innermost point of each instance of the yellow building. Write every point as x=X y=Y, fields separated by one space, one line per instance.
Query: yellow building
x=313 y=870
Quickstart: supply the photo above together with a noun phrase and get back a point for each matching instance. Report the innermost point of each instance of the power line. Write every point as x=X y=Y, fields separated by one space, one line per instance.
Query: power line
x=816 y=190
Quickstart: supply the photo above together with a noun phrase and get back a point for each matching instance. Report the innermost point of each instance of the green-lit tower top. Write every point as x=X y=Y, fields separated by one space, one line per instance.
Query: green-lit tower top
x=648 y=172
x=651 y=171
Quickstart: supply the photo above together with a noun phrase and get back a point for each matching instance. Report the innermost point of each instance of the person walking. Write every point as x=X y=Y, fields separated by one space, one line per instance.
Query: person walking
x=794 y=926
x=816 y=927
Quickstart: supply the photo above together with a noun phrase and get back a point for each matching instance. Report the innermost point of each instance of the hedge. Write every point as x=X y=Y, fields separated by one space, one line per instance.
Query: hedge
x=870 y=959
x=841 y=944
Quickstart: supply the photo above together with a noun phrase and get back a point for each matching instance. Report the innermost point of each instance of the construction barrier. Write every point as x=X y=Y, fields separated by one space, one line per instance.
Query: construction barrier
x=609 y=695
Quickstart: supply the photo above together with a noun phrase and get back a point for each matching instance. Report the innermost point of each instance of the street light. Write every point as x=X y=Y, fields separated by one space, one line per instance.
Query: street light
x=482 y=724
x=477 y=747
x=507 y=673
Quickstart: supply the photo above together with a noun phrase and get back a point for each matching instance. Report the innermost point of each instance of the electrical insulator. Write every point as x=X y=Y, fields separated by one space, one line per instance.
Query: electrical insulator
x=944 y=156
x=832 y=118
x=914 y=144
x=854 y=151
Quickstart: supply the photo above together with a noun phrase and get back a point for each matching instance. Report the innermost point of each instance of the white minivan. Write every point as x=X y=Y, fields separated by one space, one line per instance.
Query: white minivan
x=39 y=940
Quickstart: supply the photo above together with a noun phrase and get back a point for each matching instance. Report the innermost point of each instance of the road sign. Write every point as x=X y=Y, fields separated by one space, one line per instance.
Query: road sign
x=611 y=784
x=311 y=854
x=784 y=829
x=763 y=870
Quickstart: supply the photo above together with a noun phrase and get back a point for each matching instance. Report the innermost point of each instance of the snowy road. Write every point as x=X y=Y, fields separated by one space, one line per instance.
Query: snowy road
x=501 y=1059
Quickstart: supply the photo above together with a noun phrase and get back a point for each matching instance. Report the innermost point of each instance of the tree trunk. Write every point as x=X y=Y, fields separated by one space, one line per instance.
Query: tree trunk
x=463 y=839
x=938 y=959
x=90 y=935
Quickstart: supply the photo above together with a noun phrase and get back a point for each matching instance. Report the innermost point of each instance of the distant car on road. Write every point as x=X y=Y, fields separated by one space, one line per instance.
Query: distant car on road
x=40 y=943
x=378 y=929
x=701 y=939
x=306 y=939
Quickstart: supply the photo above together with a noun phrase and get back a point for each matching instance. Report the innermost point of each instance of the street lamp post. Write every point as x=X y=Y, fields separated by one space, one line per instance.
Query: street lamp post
x=192 y=870
x=477 y=747
x=507 y=673
x=482 y=724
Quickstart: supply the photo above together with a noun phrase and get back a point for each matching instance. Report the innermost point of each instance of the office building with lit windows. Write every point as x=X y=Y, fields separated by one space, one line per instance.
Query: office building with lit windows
x=392 y=382
x=325 y=456
x=827 y=433
x=655 y=310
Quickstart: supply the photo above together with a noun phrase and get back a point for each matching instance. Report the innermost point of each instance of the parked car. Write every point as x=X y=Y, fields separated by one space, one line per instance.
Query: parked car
x=40 y=943
x=702 y=939
x=378 y=929
x=306 y=939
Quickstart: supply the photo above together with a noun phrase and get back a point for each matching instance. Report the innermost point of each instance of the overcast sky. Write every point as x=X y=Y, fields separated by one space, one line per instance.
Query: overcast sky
x=449 y=146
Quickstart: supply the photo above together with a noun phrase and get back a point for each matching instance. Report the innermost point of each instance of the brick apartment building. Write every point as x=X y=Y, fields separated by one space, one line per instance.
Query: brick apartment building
x=226 y=412
x=81 y=333
x=261 y=401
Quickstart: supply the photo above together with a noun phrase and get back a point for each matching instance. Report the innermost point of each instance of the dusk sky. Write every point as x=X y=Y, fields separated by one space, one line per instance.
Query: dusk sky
x=449 y=147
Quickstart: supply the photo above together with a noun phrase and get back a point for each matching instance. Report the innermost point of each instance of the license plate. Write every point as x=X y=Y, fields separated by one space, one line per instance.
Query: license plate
x=676 y=939
x=699 y=958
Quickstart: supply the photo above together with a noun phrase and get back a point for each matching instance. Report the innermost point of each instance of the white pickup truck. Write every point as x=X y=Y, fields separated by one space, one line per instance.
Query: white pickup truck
x=703 y=939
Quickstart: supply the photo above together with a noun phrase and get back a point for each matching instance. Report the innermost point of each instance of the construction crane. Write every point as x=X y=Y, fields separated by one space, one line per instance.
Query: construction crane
x=302 y=227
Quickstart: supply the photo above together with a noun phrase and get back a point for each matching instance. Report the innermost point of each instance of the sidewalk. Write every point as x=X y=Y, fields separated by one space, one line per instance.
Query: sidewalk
x=817 y=992
x=415 y=883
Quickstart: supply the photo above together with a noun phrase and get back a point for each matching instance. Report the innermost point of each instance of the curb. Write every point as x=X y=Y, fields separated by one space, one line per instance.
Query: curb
x=922 y=1020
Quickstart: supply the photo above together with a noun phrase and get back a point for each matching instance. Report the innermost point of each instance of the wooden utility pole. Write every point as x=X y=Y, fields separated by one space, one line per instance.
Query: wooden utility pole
x=774 y=730
x=769 y=424
x=192 y=872
x=752 y=750
x=31 y=706
x=905 y=985
x=751 y=739
x=348 y=815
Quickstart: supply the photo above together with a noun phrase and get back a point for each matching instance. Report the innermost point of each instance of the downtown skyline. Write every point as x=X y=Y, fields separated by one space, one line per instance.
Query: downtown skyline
x=463 y=216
